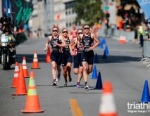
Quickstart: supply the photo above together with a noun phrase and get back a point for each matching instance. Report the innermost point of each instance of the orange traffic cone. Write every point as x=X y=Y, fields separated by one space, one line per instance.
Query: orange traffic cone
x=25 y=70
x=122 y=40
x=48 y=56
x=107 y=106
x=21 y=85
x=32 y=100
x=35 y=64
x=16 y=74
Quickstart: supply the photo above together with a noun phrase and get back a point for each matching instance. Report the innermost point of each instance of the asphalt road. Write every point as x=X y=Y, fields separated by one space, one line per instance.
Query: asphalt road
x=122 y=67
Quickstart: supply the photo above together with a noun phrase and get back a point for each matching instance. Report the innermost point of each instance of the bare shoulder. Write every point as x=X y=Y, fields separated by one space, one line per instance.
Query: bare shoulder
x=60 y=37
x=92 y=35
x=49 y=38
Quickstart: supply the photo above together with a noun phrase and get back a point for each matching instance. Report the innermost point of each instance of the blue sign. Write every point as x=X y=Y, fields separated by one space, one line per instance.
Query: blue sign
x=25 y=26
x=145 y=6
x=6 y=6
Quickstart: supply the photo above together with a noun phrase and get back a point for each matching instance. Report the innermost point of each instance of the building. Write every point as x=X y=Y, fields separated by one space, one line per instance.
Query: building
x=70 y=14
x=49 y=14
x=38 y=16
x=64 y=16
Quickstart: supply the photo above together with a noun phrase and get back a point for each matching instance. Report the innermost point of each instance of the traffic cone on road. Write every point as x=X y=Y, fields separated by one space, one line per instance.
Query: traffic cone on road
x=95 y=58
x=106 y=52
x=94 y=73
x=35 y=64
x=107 y=106
x=101 y=43
x=32 y=100
x=48 y=56
x=122 y=40
x=99 y=84
x=25 y=70
x=16 y=74
x=145 y=95
x=21 y=85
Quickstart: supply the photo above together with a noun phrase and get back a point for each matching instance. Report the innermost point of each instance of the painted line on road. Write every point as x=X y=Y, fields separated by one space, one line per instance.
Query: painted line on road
x=75 y=108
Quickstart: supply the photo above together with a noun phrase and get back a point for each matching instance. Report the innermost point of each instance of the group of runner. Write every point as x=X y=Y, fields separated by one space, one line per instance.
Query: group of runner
x=76 y=49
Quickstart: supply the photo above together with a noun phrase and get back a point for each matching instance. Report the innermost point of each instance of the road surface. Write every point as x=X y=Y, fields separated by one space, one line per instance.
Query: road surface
x=122 y=67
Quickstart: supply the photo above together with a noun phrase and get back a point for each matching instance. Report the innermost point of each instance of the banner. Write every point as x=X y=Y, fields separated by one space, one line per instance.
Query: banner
x=145 y=6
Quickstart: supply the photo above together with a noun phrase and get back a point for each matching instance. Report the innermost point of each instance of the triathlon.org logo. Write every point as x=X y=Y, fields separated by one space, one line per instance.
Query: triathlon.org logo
x=138 y=107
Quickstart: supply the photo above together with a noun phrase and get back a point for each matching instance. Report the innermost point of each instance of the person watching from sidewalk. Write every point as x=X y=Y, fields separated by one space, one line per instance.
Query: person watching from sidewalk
x=56 y=43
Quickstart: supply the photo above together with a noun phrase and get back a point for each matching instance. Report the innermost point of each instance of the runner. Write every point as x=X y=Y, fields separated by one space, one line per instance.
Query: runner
x=73 y=32
x=89 y=42
x=78 y=48
x=56 y=43
x=67 y=58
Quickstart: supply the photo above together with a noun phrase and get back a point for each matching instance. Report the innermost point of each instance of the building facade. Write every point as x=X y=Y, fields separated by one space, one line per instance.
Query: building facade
x=38 y=16
x=49 y=14
x=64 y=16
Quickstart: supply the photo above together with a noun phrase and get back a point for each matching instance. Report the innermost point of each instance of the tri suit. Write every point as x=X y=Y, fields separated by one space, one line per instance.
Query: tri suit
x=87 y=55
x=66 y=53
x=56 y=55
x=77 y=57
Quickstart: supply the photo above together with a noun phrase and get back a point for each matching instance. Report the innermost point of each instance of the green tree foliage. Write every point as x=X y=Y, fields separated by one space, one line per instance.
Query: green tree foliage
x=89 y=11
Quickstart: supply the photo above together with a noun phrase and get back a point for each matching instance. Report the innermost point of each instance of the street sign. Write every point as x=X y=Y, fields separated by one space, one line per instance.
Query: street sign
x=106 y=8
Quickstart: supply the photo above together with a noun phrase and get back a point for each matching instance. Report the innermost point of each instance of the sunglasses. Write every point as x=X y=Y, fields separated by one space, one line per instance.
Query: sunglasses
x=79 y=32
x=86 y=28
x=65 y=31
x=55 y=30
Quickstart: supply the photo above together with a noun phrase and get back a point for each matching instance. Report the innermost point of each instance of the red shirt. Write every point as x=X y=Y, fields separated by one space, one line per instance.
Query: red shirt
x=73 y=33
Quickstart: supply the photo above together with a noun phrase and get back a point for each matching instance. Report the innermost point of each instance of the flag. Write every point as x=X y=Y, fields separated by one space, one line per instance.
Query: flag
x=58 y=17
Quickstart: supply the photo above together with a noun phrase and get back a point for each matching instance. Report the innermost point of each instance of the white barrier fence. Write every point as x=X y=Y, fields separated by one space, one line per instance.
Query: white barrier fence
x=116 y=34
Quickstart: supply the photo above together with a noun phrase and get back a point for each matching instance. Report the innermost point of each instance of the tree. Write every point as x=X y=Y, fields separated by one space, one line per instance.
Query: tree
x=89 y=11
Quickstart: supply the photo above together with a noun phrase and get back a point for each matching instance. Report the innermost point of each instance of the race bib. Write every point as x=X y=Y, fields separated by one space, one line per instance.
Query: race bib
x=4 y=39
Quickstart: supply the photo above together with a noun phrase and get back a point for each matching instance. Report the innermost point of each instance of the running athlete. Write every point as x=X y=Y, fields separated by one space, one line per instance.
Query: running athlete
x=78 y=48
x=73 y=32
x=89 y=42
x=56 y=43
x=67 y=58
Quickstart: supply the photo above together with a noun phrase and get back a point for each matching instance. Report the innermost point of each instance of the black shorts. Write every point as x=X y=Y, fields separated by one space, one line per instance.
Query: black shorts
x=77 y=60
x=66 y=58
x=57 y=57
x=88 y=57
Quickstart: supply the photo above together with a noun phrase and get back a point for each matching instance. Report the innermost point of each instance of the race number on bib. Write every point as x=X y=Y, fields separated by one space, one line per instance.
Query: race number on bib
x=4 y=38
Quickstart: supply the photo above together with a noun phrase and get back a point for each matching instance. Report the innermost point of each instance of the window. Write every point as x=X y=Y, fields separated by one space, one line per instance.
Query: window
x=66 y=12
x=67 y=24
x=69 y=4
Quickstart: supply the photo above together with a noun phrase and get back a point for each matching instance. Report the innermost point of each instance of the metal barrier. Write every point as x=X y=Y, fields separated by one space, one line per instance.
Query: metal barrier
x=146 y=49
x=129 y=38
x=115 y=34
x=146 y=53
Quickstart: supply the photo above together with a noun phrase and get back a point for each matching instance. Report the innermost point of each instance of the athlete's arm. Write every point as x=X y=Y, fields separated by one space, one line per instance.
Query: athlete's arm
x=47 y=42
x=73 y=43
x=96 y=42
x=63 y=44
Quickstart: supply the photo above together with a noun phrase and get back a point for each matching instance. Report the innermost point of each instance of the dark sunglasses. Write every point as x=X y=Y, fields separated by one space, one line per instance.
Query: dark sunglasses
x=65 y=32
x=86 y=28
x=79 y=32
x=55 y=30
